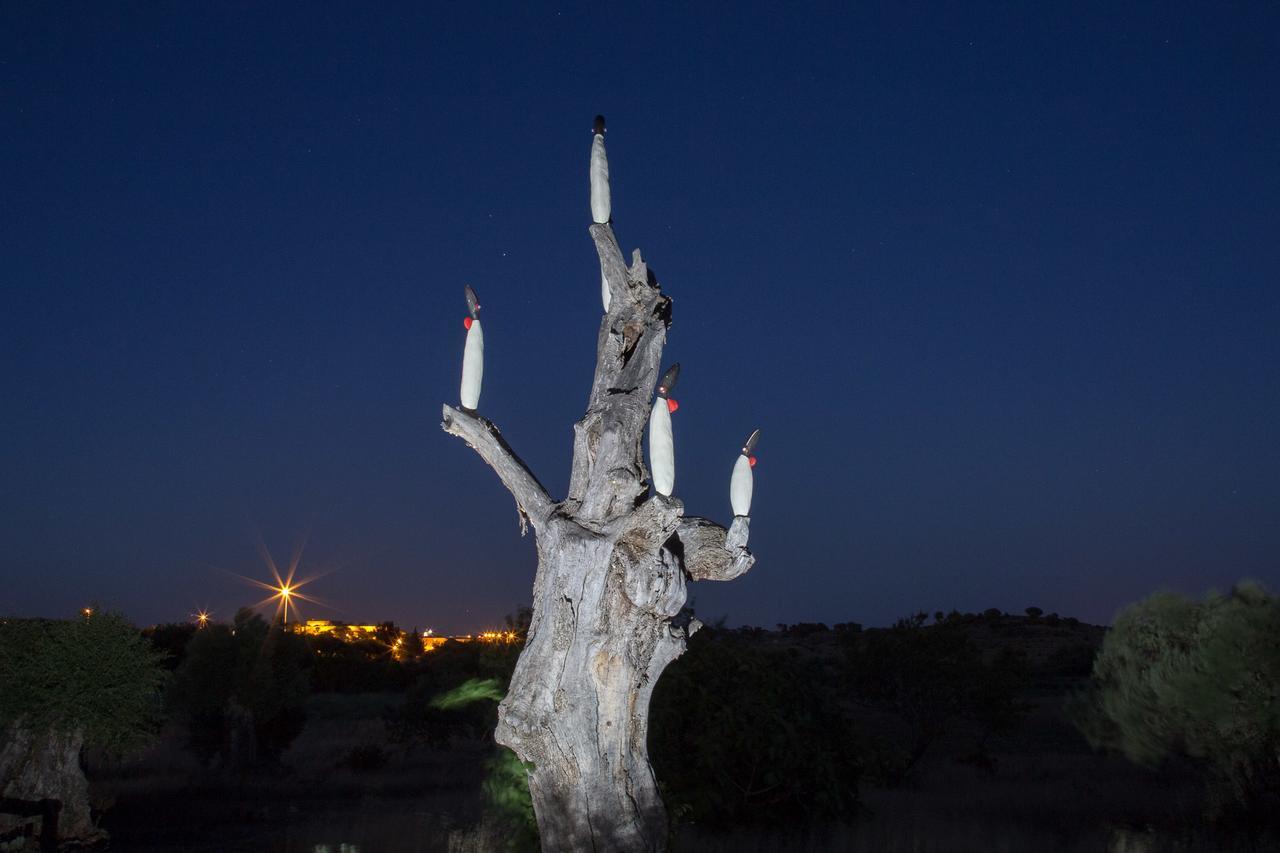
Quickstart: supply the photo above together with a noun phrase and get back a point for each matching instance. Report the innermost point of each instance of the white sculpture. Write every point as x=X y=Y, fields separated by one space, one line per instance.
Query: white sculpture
x=662 y=454
x=742 y=482
x=472 y=354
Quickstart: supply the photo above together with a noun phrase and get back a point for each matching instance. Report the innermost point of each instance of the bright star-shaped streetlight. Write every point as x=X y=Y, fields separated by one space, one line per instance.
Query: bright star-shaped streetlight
x=284 y=592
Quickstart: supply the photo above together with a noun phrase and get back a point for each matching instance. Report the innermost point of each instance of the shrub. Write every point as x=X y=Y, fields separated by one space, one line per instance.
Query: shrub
x=1182 y=678
x=354 y=665
x=929 y=676
x=171 y=639
x=744 y=734
x=1073 y=661
x=96 y=676
x=506 y=784
x=506 y=793
x=65 y=685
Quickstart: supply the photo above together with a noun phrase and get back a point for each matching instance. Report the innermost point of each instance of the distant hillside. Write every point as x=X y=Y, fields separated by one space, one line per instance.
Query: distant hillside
x=1051 y=645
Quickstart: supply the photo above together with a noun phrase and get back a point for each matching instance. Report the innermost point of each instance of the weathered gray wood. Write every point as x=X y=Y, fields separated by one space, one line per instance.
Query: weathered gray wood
x=532 y=499
x=613 y=564
x=46 y=765
x=712 y=553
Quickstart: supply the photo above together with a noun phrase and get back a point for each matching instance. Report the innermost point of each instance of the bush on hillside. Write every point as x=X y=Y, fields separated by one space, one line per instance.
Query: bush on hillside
x=741 y=734
x=1177 y=677
x=930 y=677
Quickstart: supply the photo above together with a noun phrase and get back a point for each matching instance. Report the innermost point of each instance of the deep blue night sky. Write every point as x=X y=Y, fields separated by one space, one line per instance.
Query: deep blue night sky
x=999 y=286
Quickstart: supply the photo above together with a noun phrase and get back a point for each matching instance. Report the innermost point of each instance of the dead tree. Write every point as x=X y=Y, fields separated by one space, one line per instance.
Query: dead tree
x=610 y=588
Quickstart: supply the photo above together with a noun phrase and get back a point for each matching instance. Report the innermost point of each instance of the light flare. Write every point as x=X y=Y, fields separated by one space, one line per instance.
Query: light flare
x=284 y=592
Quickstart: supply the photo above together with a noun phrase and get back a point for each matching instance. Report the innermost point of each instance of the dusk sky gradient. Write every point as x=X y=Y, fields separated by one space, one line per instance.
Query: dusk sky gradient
x=1000 y=283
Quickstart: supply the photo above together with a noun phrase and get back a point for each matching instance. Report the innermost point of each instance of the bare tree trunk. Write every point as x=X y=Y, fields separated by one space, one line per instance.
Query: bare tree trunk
x=609 y=594
x=46 y=765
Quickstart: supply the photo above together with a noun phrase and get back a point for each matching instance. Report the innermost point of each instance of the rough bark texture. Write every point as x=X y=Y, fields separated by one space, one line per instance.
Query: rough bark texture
x=47 y=766
x=610 y=589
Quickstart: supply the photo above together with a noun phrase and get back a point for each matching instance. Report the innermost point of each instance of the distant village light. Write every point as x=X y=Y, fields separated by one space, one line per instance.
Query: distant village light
x=430 y=641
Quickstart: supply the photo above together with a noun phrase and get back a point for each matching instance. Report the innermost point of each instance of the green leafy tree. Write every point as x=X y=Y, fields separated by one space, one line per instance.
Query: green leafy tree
x=1177 y=677
x=518 y=622
x=413 y=648
x=171 y=640
x=242 y=689
x=66 y=685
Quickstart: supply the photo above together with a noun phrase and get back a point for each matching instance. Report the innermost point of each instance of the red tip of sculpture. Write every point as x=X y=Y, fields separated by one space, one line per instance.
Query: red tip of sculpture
x=752 y=460
x=672 y=405
x=466 y=322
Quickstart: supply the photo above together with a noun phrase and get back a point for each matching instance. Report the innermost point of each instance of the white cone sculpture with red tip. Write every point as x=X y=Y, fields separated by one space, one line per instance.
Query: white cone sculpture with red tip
x=601 y=203
x=662 y=454
x=742 y=482
x=472 y=354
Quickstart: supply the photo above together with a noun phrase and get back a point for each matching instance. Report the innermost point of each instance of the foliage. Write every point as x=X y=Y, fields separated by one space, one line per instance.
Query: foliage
x=449 y=668
x=1182 y=678
x=171 y=639
x=1072 y=661
x=354 y=665
x=506 y=793
x=802 y=629
x=472 y=690
x=437 y=719
x=95 y=674
x=519 y=621
x=743 y=734
x=930 y=676
x=252 y=671
x=506 y=784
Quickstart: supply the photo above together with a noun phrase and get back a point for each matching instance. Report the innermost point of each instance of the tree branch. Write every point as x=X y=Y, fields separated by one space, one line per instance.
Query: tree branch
x=485 y=438
x=608 y=474
x=712 y=553
x=612 y=265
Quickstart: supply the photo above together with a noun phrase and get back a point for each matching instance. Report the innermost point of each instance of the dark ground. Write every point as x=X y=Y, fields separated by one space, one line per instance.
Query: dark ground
x=1043 y=788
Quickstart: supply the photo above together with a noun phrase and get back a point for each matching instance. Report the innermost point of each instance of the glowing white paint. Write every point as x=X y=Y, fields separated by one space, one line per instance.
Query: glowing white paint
x=472 y=366
x=601 y=204
x=662 y=454
x=741 y=484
